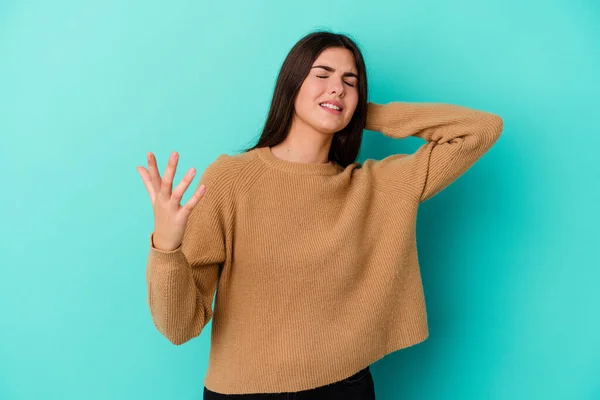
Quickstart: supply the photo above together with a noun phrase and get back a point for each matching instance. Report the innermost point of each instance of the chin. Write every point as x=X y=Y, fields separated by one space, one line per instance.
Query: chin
x=329 y=129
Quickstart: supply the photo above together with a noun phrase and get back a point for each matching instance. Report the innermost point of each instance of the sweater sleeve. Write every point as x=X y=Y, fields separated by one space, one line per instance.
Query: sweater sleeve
x=456 y=138
x=181 y=283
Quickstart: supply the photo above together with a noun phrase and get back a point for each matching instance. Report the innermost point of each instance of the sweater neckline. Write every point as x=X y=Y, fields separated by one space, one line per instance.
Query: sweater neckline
x=293 y=167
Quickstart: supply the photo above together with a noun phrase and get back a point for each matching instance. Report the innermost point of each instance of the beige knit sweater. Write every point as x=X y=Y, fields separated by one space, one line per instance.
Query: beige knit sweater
x=314 y=266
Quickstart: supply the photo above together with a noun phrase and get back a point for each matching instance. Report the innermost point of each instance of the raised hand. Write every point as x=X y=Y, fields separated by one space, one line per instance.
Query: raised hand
x=170 y=218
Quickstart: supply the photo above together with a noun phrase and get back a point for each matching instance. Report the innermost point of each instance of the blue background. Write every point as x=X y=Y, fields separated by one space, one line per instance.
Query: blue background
x=509 y=252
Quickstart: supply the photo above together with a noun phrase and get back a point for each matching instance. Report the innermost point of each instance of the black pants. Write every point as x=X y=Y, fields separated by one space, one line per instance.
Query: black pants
x=359 y=386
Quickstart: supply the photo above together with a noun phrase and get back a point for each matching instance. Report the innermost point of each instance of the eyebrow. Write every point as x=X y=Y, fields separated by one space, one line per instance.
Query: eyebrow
x=330 y=69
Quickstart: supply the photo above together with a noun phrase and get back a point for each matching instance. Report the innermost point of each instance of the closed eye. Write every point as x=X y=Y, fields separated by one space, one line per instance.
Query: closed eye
x=323 y=77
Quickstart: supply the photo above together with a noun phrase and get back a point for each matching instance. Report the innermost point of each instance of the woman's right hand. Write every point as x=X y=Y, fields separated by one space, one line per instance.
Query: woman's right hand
x=170 y=218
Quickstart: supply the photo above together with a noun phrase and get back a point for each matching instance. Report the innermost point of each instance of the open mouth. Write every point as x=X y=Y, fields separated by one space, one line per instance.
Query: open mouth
x=331 y=107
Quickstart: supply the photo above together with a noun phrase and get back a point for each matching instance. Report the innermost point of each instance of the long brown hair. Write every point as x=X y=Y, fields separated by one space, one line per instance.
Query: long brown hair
x=296 y=66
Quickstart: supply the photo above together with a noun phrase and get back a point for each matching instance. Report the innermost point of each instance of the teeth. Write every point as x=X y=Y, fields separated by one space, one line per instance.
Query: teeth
x=330 y=106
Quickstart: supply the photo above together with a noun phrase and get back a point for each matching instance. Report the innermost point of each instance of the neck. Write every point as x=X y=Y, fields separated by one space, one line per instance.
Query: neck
x=304 y=144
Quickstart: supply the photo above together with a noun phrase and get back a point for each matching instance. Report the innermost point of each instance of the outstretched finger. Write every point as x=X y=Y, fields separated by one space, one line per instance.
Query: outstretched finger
x=183 y=185
x=167 y=181
x=191 y=203
x=147 y=182
x=153 y=172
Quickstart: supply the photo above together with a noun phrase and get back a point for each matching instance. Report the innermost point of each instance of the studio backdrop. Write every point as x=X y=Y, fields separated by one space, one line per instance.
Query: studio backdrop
x=509 y=253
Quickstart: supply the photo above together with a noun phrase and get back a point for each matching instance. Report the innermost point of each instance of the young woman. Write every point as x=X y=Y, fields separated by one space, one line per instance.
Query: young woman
x=312 y=255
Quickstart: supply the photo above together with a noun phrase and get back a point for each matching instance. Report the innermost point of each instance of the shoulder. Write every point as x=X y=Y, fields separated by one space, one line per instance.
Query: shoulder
x=396 y=173
x=227 y=171
x=227 y=166
x=220 y=178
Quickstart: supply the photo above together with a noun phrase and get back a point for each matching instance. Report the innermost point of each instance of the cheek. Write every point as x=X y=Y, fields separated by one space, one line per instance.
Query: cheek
x=307 y=98
x=352 y=102
x=302 y=105
x=314 y=89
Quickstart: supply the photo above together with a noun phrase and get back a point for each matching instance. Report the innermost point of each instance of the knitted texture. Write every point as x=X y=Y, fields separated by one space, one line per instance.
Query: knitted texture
x=314 y=265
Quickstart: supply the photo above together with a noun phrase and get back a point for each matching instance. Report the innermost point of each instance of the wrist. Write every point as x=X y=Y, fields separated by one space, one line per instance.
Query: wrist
x=161 y=245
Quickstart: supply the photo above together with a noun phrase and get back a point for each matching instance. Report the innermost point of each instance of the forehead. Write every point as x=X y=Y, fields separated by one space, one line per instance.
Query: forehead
x=338 y=58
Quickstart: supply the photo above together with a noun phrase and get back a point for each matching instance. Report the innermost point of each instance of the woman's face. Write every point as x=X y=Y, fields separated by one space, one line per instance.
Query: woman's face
x=332 y=79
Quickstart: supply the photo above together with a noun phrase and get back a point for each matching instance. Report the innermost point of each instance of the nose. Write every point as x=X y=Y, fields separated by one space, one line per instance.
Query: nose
x=337 y=86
